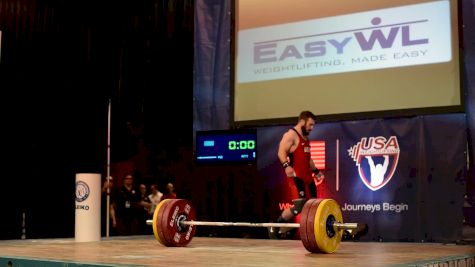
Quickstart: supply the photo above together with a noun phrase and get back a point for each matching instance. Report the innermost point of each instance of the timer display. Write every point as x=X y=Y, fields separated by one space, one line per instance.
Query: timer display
x=241 y=144
x=226 y=146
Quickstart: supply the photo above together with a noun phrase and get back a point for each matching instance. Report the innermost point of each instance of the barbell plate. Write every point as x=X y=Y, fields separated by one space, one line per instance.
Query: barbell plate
x=174 y=233
x=307 y=222
x=303 y=224
x=326 y=209
x=162 y=220
x=156 y=222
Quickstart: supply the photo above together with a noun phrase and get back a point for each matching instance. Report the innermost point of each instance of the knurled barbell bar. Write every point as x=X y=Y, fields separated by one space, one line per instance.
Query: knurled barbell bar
x=321 y=224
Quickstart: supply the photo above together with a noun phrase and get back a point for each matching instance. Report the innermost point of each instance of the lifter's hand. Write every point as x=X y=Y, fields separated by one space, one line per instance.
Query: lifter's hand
x=290 y=172
x=320 y=176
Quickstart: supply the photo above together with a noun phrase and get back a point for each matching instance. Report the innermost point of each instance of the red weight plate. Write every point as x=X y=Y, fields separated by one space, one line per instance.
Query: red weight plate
x=313 y=246
x=175 y=234
x=157 y=221
x=161 y=223
x=303 y=223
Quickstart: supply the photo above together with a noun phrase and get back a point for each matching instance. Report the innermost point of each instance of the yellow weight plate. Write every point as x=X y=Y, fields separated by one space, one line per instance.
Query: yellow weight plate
x=327 y=241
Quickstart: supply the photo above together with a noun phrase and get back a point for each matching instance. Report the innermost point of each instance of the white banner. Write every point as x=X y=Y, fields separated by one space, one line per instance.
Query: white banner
x=392 y=37
x=88 y=207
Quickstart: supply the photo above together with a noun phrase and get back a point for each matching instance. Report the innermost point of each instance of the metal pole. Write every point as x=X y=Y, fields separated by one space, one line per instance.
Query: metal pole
x=108 y=167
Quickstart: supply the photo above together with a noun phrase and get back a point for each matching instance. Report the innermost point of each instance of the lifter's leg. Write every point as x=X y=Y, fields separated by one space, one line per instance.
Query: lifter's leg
x=289 y=213
x=286 y=216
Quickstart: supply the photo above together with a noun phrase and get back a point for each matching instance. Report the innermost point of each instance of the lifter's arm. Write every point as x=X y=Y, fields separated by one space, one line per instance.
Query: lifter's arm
x=285 y=148
x=318 y=174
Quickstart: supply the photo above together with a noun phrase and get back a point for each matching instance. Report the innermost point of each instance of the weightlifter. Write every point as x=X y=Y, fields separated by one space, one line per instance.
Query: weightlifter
x=294 y=155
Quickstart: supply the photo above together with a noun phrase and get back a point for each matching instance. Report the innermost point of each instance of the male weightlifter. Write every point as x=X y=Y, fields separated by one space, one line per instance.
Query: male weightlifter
x=294 y=155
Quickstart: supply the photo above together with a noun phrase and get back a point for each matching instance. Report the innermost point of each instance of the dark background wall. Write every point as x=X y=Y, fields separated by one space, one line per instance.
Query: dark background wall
x=61 y=62
x=164 y=64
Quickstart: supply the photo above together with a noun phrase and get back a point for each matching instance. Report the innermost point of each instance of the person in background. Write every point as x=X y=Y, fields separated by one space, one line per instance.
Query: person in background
x=143 y=210
x=170 y=192
x=127 y=206
x=155 y=198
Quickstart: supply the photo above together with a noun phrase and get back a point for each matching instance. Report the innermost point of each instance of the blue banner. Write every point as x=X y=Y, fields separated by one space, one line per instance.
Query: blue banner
x=404 y=177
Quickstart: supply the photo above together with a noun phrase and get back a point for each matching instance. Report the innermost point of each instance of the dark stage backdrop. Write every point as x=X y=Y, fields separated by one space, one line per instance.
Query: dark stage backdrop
x=61 y=62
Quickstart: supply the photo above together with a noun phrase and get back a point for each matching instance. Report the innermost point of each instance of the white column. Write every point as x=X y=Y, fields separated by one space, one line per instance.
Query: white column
x=88 y=207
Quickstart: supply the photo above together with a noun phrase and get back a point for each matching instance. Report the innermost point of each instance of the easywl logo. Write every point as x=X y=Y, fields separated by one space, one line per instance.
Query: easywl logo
x=271 y=52
x=393 y=37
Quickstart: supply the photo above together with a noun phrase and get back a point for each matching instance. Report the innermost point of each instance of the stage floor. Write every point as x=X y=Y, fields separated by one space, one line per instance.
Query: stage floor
x=213 y=251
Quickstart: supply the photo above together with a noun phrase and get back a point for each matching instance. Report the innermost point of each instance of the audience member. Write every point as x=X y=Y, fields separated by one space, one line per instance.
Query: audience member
x=143 y=211
x=170 y=192
x=127 y=206
x=155 y=198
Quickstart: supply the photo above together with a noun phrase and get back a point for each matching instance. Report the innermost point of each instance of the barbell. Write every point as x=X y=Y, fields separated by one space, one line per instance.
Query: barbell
x=321 y=224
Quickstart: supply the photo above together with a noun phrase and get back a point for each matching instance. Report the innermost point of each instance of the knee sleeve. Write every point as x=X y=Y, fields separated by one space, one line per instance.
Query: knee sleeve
x=298 y=205
x=299 y=184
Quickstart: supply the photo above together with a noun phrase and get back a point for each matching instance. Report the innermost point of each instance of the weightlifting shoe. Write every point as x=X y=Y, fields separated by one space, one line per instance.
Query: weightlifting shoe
x=274 y=232
x=288 y=233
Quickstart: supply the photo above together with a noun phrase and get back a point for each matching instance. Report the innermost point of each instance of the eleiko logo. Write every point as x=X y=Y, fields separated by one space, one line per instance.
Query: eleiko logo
x=82 y=191
x=376 y=159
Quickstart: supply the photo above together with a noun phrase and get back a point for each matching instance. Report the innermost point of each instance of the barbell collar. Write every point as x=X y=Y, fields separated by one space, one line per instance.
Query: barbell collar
x=340 y=226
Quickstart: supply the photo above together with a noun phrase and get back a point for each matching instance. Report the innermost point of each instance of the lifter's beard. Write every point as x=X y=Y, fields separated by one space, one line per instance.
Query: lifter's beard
x=304 y=131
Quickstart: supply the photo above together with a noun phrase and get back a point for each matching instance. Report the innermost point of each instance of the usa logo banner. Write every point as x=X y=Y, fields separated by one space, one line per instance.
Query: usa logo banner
x=376 y=159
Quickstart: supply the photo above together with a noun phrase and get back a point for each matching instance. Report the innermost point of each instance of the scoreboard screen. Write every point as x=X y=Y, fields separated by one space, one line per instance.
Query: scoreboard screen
x=226 y=146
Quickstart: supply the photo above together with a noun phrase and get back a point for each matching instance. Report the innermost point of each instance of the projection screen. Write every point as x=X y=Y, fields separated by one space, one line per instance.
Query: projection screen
x=344 y=59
